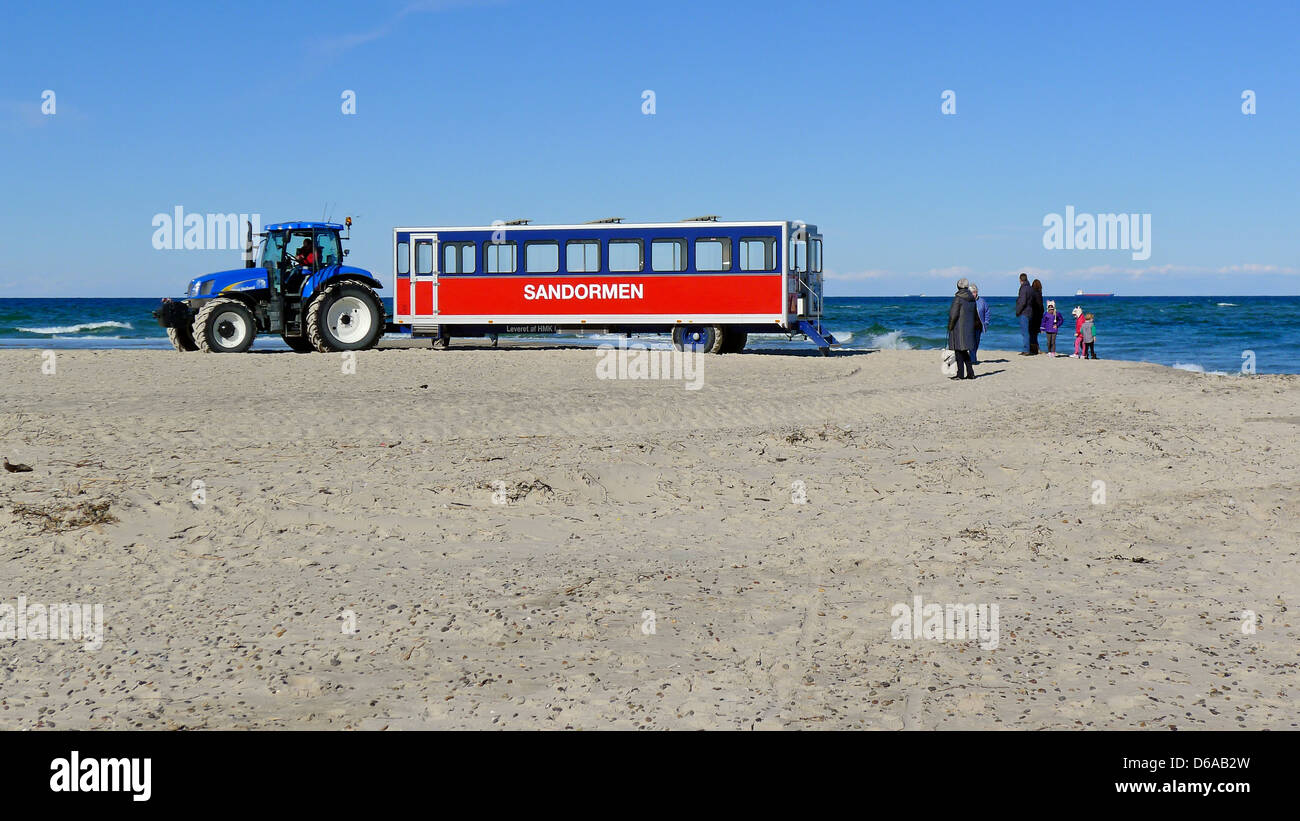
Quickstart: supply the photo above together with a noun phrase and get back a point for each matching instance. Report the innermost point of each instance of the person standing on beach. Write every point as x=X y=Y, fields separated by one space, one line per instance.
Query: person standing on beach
x=1035 y=315
x=1023 y=301
x=1078 y=331
x=1089 y=334
x=1052 y=322
x=961 y=328
x=981 y=321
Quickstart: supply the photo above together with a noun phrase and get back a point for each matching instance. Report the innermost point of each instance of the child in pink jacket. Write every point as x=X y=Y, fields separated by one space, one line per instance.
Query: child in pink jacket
x=1078 y=331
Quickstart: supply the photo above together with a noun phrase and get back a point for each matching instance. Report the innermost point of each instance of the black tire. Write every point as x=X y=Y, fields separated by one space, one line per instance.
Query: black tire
x=699 y=338
x=734 y=341
x=358 y=305
x=224 y=325
x=182 y=339
x=298 y=344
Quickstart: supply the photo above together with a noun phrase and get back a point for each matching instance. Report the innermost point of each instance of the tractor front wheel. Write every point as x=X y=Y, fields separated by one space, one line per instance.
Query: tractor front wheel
x=346 y=316
x=224 y=326
x=182 y=338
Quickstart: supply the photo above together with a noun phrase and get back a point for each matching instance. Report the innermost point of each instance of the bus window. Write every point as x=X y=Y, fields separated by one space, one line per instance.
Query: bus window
x=817 y=256
x=403 y=259
x=582 y=256
x=798 y=256
x=625 y=255
x=668 y=255
x=758 y=254
x=713 y=254
x=458 y=257
x=499 y=257
x=542 y=257
x=423 y=257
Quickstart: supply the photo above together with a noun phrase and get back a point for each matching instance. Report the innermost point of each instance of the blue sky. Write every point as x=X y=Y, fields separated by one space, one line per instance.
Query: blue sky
x=468 y=112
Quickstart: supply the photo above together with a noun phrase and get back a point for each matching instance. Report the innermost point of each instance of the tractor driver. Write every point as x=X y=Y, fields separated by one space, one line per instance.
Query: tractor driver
x=306 y=254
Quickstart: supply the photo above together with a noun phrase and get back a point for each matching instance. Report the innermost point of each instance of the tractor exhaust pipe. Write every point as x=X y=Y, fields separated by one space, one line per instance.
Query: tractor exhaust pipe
x=248 y=247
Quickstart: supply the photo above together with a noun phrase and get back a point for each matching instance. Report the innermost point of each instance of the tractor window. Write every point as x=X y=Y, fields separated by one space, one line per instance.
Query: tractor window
x=327 y=247
x=272 y=250
x=299 y=249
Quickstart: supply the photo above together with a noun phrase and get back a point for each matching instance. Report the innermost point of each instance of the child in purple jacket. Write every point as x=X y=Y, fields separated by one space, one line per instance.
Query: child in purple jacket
x=1051 y=325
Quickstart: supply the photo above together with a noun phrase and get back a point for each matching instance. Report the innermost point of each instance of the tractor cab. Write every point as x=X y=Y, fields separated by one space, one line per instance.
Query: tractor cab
x=292 y=251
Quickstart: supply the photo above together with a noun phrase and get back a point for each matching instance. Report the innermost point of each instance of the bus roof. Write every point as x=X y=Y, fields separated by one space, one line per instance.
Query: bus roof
x=600 y=226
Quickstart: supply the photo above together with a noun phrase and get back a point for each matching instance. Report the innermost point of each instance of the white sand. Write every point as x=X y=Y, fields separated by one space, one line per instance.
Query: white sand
x=369 y=493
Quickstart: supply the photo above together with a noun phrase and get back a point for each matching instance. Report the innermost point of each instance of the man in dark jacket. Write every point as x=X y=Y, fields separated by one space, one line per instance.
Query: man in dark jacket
x=961 y=328
x=1035 y=315
x=1024 y=304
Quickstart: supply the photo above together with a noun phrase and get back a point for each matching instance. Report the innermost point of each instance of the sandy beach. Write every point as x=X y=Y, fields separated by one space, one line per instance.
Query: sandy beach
x=485 y=538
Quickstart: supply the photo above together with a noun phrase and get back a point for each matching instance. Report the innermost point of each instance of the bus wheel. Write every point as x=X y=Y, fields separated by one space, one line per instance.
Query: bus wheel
x=346 y=316
x=698 y=338
x=224 y=326
x=182 y=339
x=734 y=341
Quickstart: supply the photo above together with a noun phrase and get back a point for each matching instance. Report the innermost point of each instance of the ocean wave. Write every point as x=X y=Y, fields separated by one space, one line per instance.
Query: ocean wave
x=1192 y=367
x=66 y=338
x=890 y=341
x=1226 y=304
x=76 y=329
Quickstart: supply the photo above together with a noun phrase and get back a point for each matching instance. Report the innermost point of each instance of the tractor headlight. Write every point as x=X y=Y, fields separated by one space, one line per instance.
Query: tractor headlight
x=194 y=288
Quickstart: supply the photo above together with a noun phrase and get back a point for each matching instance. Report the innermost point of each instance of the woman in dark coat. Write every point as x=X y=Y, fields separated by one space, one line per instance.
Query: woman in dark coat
x=961 y=328
x=1035 y=315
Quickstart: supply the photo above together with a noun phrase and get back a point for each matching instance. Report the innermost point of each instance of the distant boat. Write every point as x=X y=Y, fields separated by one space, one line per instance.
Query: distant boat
x=1081 y=293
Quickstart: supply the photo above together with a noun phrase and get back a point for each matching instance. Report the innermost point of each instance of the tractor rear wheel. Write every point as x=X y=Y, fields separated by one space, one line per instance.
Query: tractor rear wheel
x=224 y=326
x=182 y=338
x=346 y=316
x=699 y=338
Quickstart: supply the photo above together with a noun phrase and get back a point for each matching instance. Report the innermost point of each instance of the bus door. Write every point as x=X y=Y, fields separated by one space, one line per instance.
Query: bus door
x=814 y=277
x=424 y=274
x=805 y=271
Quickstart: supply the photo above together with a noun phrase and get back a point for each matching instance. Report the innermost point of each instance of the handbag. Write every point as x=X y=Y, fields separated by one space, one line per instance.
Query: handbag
x=949 y=363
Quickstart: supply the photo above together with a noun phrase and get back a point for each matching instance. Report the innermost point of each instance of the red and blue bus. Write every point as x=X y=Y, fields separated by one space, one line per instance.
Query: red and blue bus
x=706 y=282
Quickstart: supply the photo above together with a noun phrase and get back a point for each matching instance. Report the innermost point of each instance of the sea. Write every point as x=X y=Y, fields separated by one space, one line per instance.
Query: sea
x=1208 y=334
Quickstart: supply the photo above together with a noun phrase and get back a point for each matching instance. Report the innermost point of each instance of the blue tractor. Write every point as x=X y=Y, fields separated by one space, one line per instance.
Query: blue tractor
x=296 y=285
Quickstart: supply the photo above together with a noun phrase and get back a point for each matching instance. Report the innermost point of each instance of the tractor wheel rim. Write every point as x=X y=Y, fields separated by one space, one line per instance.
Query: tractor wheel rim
x=231 y=329
x=349 y=319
